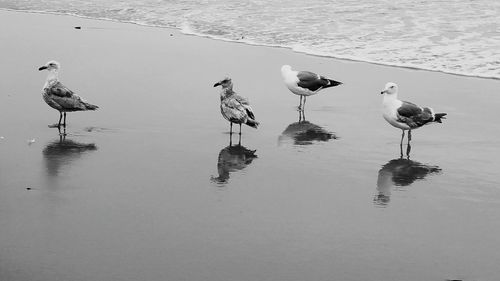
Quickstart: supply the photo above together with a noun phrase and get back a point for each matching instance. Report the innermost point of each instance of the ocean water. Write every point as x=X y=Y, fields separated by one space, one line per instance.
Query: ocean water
x=453 y=36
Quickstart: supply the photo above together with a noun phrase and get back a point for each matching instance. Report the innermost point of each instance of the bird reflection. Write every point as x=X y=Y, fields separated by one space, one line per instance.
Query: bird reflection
x=62 y=151
x=232 y=158
x=398 y=173
x=304 y=132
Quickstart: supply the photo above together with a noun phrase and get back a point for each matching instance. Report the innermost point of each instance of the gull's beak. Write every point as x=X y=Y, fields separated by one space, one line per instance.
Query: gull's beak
x=336 y=83
x=383 y=92
x=42 y=68
x=217 y=84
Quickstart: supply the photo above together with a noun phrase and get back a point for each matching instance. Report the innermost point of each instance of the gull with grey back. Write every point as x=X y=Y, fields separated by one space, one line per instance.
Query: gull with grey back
x=235 y=108
x=59 y=97
x=305 y=83
x=406 y=115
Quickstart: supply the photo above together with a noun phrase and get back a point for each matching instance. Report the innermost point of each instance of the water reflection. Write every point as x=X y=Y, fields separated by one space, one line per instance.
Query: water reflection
x=232 y=158
x=305 y=133
x=400 y=172
x=62 y=152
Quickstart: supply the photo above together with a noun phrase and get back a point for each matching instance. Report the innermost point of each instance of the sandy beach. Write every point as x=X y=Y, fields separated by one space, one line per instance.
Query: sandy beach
x=145 y=188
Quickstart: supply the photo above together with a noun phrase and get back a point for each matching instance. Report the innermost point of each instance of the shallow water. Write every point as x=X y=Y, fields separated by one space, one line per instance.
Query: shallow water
x=150 y=187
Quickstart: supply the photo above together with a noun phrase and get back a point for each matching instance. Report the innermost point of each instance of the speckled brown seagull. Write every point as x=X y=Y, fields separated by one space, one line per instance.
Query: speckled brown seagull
x=305 y=83
x=235 y=108
x=406 y=115
x=59 y=97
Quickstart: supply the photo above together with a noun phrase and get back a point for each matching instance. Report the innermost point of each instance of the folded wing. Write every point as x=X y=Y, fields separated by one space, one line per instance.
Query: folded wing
x=62 y=98
x=413 y=115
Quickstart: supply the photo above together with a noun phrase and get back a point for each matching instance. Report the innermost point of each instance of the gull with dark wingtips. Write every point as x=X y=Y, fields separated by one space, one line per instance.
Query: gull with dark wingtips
x=406 y=115
x=305 y=83
x=235 y=108
x=59 y=97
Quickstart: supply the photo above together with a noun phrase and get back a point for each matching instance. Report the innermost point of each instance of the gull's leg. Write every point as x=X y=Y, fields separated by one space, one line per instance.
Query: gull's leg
x=300 y=103
x=409 y=136
x=240 y=130
x=239 y=140
x=401 y=150
x=58 y=125
x=62 y=136
x=408 y=149
x=231 y=128
x=60 y=118
x=64 y=124
x=401 y=145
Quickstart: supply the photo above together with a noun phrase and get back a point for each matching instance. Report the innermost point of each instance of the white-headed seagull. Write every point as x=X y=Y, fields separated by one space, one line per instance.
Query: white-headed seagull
x=59 y=97
x=305 y=83
x=235 y=108
x=406 y=115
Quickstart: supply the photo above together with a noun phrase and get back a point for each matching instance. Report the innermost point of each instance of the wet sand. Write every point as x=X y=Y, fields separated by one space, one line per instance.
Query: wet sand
x=149 y=188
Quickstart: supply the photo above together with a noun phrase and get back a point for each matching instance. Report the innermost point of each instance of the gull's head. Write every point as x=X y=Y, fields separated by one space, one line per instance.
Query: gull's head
x=390 y=88
x=51 y=65
x=225 y=83
x=286 y=68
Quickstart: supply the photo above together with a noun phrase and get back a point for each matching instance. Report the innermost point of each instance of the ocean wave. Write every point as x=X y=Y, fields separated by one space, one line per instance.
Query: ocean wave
x=359 y=32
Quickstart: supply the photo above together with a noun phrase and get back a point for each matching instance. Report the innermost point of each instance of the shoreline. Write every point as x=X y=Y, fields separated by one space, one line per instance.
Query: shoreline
x=128 y=193
x=212 y=37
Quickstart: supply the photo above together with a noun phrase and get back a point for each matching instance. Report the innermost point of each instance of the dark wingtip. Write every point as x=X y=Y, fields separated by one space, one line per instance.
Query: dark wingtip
x=253 y=123
x=439 y=116
x=334 y=83
x=89 y=106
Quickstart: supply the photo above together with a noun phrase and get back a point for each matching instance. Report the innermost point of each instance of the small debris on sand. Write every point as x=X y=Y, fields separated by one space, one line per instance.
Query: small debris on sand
x=31 y=141
x=78 y=27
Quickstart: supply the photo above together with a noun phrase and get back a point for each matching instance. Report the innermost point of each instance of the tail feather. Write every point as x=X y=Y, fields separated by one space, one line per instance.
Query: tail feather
x=439 y=116
x=252 y=123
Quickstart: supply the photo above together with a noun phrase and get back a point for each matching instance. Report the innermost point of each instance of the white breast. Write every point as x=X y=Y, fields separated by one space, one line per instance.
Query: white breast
x=390 y=112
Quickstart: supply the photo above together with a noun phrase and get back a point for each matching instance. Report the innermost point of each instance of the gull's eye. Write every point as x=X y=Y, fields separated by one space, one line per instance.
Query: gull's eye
x=392 y=87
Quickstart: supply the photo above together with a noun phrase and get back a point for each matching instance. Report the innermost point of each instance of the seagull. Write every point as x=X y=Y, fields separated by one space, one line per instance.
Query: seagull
x=59 y=97
x=406 y=115
x=305 y=83
x=235 y=108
